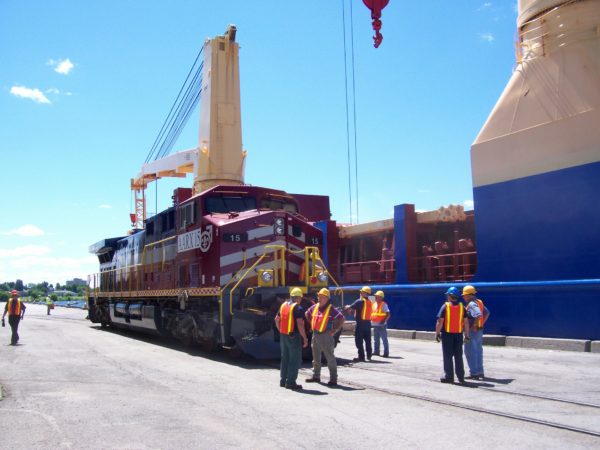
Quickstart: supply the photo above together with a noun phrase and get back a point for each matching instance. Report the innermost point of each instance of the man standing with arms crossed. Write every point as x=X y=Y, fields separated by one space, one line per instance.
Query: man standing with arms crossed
x=379 y=318
x=290 y=323
x=477 y=314
x=326 y=321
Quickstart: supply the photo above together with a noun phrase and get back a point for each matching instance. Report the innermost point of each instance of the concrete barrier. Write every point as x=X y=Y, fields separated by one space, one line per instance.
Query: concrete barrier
x=402 y=334
x=425 y=335
x=573 y=345
x=494 y=340
x=595 y=346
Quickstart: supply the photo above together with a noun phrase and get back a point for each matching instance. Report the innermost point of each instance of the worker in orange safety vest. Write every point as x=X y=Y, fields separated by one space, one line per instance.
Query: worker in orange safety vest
x=477 y=314
x=379 y=319
x=450 y=326
x=15 y=309
x=290 y=324
x=325 y=321
x=363 y=309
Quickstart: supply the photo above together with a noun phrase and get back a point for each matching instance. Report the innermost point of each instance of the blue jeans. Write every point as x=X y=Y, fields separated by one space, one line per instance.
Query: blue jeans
x=474 y=353
x=380 y=332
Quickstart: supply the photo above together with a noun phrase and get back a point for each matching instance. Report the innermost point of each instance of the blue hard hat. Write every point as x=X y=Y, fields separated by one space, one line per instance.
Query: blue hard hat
x=453 y=291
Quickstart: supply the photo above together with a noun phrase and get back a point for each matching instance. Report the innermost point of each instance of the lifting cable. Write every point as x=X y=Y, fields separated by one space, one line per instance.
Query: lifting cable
x=347 y=113
x=348 y=110
x=174 y=117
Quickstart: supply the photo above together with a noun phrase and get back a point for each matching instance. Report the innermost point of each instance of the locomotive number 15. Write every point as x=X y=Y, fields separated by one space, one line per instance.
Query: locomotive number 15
x=235 y=237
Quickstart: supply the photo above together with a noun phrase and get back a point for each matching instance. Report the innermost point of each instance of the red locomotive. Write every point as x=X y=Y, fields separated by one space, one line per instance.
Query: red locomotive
x=212 y=269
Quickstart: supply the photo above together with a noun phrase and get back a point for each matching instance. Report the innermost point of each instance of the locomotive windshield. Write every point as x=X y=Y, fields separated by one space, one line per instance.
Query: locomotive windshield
x=226 y=204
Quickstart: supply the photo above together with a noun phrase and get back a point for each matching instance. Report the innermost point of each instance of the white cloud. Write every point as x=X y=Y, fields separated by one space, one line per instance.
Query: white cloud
x=68 y=94
x=486 y=5
x=33 y=94
x=62 y=66
x=105 y=206
x=25 y=231
x=468 y=204
x=52 y=91
x=488 y=37
x=35 y=269
x=26 y=251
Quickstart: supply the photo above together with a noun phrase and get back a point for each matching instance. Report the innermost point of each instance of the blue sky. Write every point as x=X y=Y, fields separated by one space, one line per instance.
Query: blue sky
x=85 y=87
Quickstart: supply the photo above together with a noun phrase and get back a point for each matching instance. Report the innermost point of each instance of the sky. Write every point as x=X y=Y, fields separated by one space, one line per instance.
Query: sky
x=86 y=86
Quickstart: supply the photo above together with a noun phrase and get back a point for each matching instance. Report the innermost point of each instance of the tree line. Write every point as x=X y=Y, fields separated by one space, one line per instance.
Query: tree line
x=35 y=291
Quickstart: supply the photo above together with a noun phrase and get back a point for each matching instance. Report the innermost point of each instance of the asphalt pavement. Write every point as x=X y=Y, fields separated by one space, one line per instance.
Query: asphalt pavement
x=72 y=384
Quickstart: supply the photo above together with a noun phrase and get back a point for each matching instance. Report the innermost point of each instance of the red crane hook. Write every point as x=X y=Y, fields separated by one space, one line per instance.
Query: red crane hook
x=376 y=6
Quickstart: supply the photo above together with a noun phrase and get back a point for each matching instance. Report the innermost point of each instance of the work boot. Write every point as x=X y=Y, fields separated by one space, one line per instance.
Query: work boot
x=282 y=383
x=446 y=380
x=332 y=383
x=294 y=387
x=376 y=354
x=313 y=379
x=358 y=359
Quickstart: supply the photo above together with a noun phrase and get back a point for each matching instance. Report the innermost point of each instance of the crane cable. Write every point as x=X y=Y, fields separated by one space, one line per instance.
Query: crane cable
x=348 y=111
x=158 y=145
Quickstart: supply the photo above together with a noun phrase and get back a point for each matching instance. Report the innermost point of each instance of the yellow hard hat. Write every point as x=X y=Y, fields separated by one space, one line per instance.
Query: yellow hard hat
x=469 y=290
x=379 y=294
x=324 y=292
x=296 y=292
x=366 y=290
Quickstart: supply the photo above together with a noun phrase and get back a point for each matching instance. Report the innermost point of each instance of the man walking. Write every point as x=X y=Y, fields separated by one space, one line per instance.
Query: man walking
x=451 y=322
x=15 y=310
x=477 y=314
x=379 y=318
x=326 y=321
x=290 y=323
x=363 y=308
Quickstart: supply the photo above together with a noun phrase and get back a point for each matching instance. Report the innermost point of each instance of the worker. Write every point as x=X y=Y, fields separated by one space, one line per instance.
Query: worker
x=451 y=323
x=325 y=321
x=363 y=309
x=15 y=309
x=290 y=323
x=477 y=315
x=379 y=318
x=49 y=304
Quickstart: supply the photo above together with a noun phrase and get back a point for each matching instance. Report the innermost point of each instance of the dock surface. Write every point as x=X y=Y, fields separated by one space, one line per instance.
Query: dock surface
x=71 y=384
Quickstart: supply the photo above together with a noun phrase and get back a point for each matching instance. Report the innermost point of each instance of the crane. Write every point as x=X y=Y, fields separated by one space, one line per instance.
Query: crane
x=219 y=157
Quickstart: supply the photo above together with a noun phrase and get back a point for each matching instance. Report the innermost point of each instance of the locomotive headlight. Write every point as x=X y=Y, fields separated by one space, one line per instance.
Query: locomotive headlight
x=266 y=277
x=322 y=277
x=279 y=226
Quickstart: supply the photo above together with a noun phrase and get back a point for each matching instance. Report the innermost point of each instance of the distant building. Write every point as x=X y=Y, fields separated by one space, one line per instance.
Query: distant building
x=76 y=282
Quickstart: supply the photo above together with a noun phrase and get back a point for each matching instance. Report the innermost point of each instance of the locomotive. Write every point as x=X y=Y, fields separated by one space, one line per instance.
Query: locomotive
x=213 y=268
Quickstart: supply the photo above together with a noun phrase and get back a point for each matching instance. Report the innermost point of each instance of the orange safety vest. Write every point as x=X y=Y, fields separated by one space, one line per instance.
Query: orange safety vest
x=480 y=320
x=366 y=310
x=286 y=313
x=320 y=319
x=455 y=314
x=378 y=316
x=14 y=310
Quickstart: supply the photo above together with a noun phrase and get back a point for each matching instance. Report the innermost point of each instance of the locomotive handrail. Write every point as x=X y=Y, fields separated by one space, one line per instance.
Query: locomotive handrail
x=242 y=278
x=225 y=287
x=338 y=289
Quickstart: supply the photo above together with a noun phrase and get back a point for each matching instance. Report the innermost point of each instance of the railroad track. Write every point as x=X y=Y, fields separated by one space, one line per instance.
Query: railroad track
x=491 y=389
x=489 y=411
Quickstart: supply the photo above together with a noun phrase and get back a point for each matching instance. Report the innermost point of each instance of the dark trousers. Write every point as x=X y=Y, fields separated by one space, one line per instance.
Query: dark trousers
x=452 y=347
x=13 y=321
x=362 y=334
x=291 y=357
